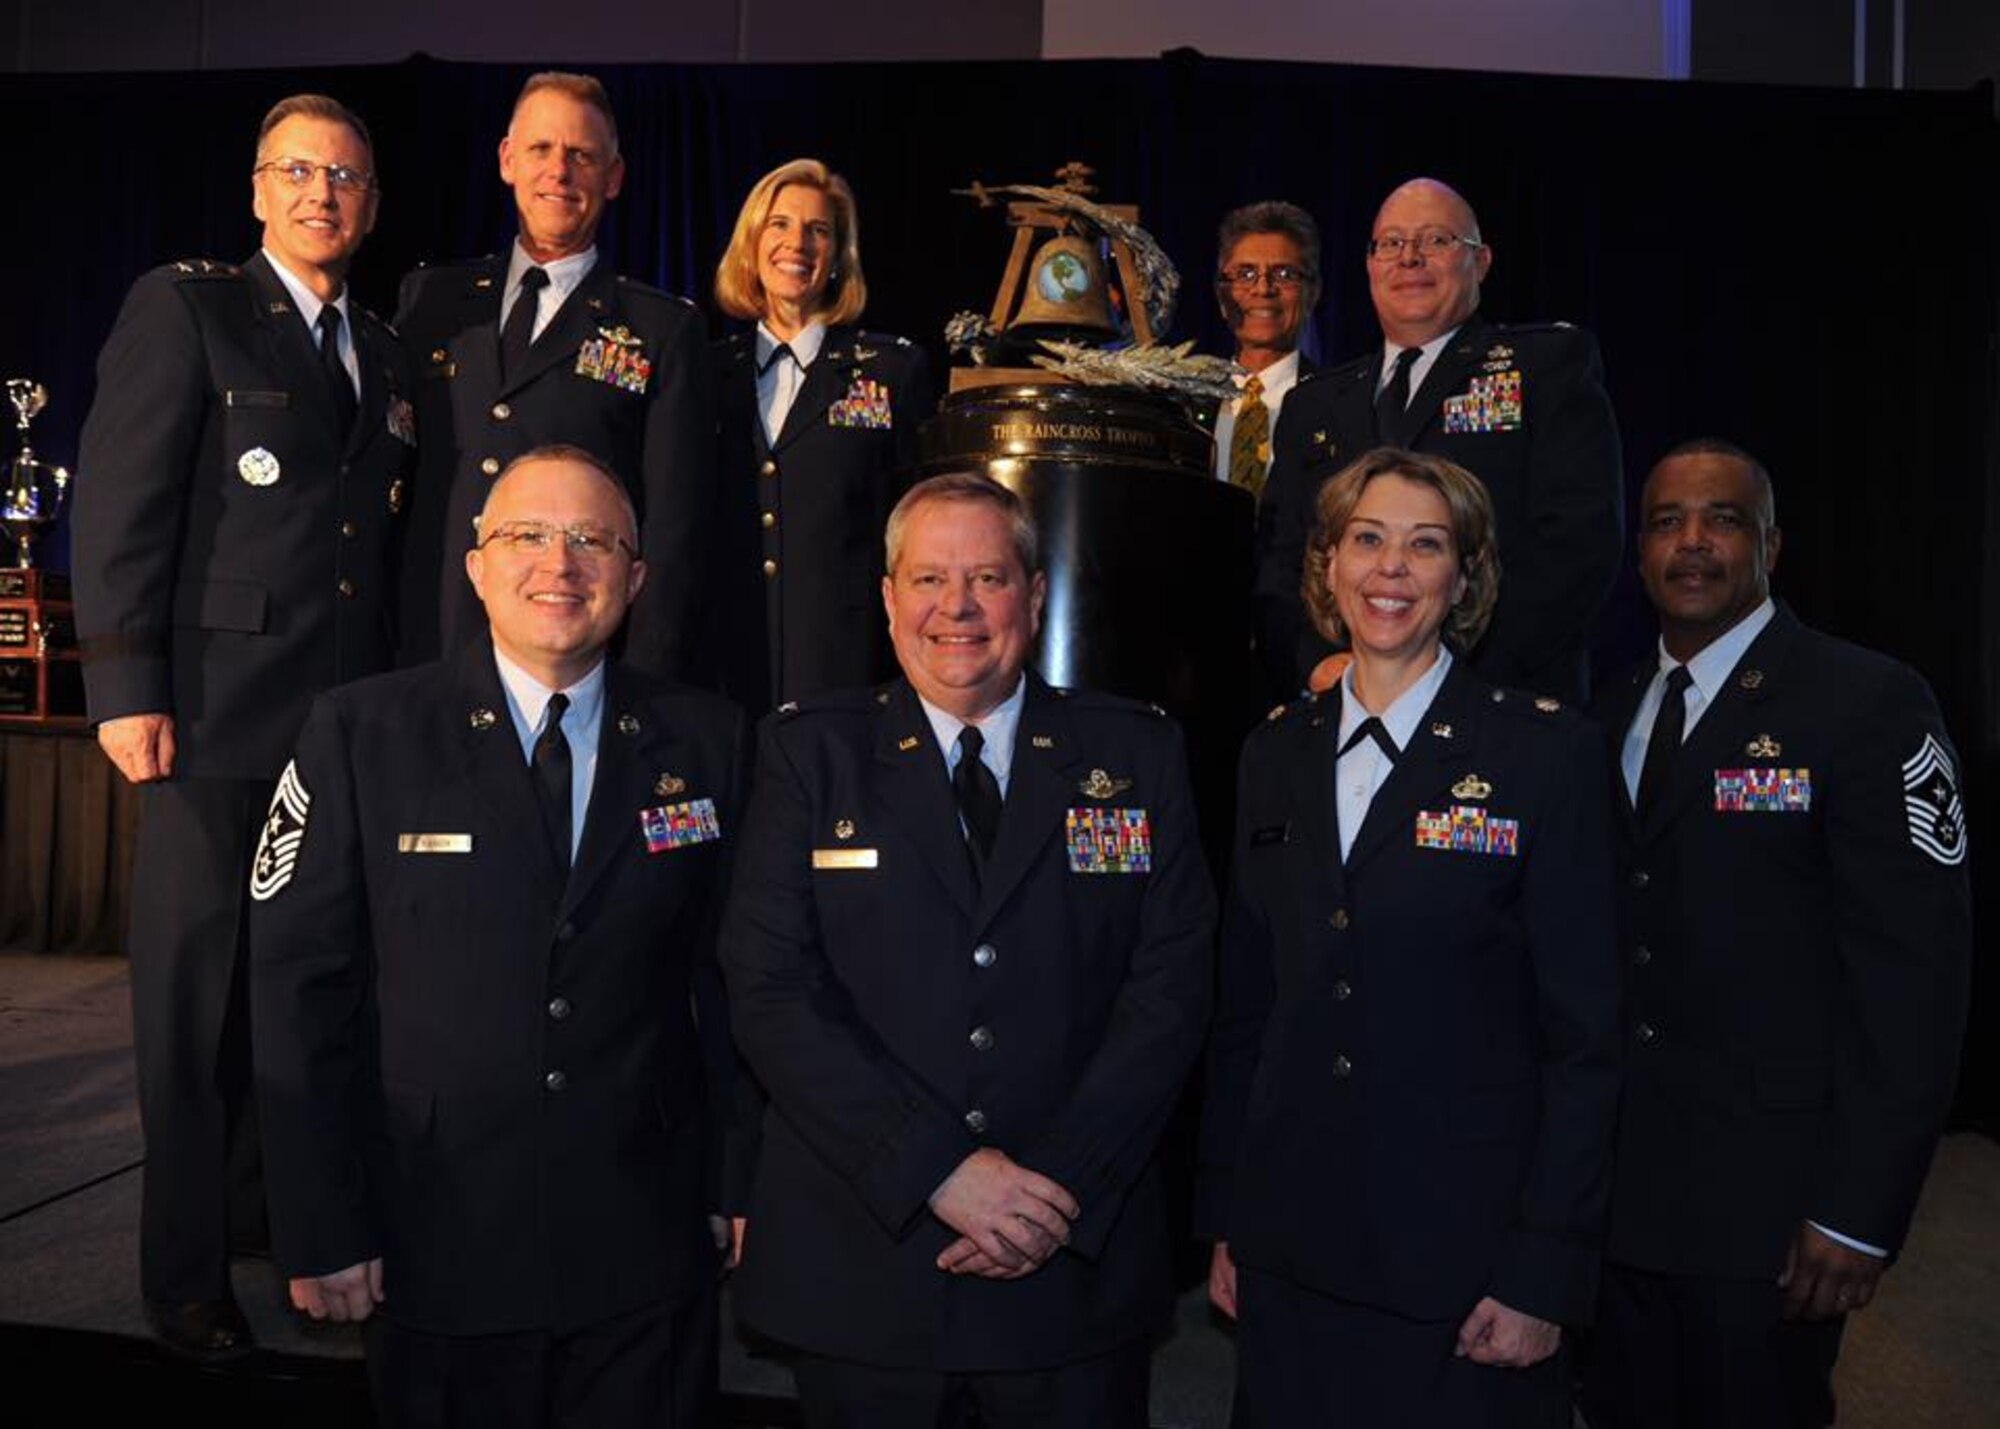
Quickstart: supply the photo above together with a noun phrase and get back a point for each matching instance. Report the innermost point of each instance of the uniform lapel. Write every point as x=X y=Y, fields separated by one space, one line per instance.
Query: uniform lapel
x=631 y=753
x=1425 y=771
x=825 y=381
x=475 y=344
x=1315 y=797
x=372 y=417
x=1618 y=715
x=497 y=771
x=1040 y=788
x=1717 y=741
x=913 y=789
x=288 y=342
x=589 y=306
x=1447 y=375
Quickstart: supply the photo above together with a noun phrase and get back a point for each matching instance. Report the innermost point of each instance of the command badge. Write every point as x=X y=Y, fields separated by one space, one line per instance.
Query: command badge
x=1930 y=795
x=284 y=830
x=258 y=467
x=1110 y=841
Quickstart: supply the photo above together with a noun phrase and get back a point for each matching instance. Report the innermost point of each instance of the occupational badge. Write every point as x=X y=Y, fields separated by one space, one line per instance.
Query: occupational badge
x=1763 y=791
x=862 y=354
x=1750 y=679
x=402 y=421
x=1930 y=795
x=1441 y=730
x=1471 y=787
x=866 y=405
x=843 y=829
x=628 y=724
x=1465 y=829
x=258 y=467
x=1763 y=747
x=1102 y=786
x=482 y=719
x=1491 y=402
x=668 y=785
x=1109 y=841
x=284 y=830
x=617 y=358
x=672 y=826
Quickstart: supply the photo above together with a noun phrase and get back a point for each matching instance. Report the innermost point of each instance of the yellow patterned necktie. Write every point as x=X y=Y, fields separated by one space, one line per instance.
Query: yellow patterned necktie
x=1250 y=447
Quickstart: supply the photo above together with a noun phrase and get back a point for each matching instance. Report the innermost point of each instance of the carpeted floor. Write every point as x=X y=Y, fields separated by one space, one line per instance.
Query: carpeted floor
x=1925 y=1356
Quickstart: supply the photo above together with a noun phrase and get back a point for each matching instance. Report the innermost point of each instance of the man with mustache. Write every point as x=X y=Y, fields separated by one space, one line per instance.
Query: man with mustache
x=1797 y=921
x=1522 y=407
x=543 y=345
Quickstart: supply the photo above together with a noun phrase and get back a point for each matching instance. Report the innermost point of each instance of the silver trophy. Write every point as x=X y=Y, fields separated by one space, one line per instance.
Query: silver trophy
x=36 y=489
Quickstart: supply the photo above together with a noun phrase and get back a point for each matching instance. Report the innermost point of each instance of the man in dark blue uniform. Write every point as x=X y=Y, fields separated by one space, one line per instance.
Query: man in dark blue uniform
x=968 y=957
x=1521 y=406
x=1797 y=920
x=546 y=344
x=240 y=473
x=492 y=1040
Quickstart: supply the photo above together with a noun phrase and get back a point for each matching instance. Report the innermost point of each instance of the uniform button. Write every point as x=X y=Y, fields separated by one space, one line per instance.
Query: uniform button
x=558 y=1008
x=501 y=411
x=347 y=529
x=1647 y=1033
x=770 y=568
x=984 y=955
x=1640 y=878
x=346 y=586
x=566 y=932
x=770 y=519
x=491 y=466
x=345 y=468
x=769 y=468
x=1641 y=955
x=981 y=1039
x=1341 y=990
x=975 y=1121
x=1342 y=1065
x=555 y=1081
x=1339 y=920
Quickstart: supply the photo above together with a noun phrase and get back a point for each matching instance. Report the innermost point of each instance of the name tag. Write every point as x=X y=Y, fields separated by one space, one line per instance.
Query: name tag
x=242 y=397
x=433 y=843
x=845 y=858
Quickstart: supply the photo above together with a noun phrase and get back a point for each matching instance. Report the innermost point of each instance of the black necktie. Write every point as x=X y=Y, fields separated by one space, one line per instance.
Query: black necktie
x=1668 y=727
x=781 y=350
x=1394 y=399
x=1372 y=728
x=978 y=795
x=552 y=778
x=345 y=404
x=519 y=334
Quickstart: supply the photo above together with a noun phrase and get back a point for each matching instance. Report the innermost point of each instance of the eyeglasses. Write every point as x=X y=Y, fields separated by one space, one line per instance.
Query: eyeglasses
x=532 y=538
x=299 y=172
x=1431 y=243
x=1251 y=275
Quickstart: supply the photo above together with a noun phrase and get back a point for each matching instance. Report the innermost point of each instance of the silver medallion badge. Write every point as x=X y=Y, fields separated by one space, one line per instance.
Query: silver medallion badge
x=258 y=467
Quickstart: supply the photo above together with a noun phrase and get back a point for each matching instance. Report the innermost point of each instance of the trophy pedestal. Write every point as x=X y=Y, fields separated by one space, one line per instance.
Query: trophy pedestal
x=41 y=674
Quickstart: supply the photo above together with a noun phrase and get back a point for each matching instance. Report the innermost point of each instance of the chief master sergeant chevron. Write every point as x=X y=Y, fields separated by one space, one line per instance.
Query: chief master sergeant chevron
x=544 y=345
x=968 y=957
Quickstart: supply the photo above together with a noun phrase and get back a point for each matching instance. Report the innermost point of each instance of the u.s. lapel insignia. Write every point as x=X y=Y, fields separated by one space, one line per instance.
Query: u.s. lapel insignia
x=277 y=306
x=1471 y=787
x=1042 y=741
x=481 y=718
x=668 y=785
x=482 y=284
x=843 y=829
x=1930 y=794
x=397 y=491
x=596 y=305
x=1750 y=679
x=1763 y=747
x=907 y=743
x=1441 y=730
x=1319 y=437
x=1102 y=786
x=628 y=724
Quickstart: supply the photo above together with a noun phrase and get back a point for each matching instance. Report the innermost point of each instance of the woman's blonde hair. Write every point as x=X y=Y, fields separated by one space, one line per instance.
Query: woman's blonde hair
x=738 y=289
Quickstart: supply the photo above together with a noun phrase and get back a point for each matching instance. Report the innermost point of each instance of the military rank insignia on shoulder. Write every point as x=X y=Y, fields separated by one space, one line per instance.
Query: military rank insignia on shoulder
x=198 y=268
x=284 y=830
x=1930 y=794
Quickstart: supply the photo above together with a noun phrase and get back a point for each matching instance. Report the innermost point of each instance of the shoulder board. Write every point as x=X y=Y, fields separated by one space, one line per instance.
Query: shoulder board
x=195 y=269
x=835 y=702
x=648 y=290
x=1526 y=704
x=881 y=339
x=1518 y=329
x=1291 y=709
x=446 y=264
x=1099 y=700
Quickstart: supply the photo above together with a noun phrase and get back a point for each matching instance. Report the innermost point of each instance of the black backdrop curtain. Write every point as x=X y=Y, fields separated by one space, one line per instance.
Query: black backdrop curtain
x=1809 y=272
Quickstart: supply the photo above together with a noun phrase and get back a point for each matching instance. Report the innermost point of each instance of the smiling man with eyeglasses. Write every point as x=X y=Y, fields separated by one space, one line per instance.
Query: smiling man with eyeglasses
x=1267 y=284
x=1522 y=406
x=241 y=471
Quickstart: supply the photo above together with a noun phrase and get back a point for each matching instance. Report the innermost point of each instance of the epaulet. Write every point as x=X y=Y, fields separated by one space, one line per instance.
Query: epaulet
x=1520 y=329
x=189 y=270
x=652 y=292
x=378 y=320
x=1346 y=371
x=1099 y=700
x=834 y=702
x=445 y=265
x=1291 y=709
x=1529 y=706
x=881 y=339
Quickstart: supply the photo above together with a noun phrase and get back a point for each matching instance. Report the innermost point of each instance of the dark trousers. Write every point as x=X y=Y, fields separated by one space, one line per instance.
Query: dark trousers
x=1309 y=1361
x=191 y=1032
x=1104 y=1392
x=1680 y=1351
x=617 y=1374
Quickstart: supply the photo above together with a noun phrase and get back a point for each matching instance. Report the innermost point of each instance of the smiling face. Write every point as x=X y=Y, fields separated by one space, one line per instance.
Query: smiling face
x=795 y=257
x=553 y=611
x=1264 y=317
x=963 y=611
x=1418 y=298
x=315 y=230
x=560 y=160
x=1395 y=573
x=1706 y=548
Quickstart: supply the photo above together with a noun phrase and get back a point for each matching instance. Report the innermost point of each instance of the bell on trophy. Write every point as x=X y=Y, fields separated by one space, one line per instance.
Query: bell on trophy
x=36 y=490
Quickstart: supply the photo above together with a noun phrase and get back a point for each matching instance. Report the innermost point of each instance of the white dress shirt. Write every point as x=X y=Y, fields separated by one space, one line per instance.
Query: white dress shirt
x=308 y=303
x=1277 y=379
x=997 y=730
x=564 y=276
x=1366 y=767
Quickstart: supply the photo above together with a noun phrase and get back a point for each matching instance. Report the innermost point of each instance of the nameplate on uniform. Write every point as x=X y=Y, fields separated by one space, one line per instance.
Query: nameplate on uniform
x=1110 y=841
x=1491 y=403
x=845 y=858
x=865 y=405
x=1763 y=791
x=241 y=397
x=1466 y=828
x=672 y=826
x=433 y=843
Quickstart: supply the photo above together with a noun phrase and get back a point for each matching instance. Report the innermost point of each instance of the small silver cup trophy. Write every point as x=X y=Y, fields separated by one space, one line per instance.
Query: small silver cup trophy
x=36 y=490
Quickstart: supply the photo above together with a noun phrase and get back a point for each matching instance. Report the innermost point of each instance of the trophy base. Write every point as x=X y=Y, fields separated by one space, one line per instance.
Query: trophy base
x=45 y=689
x=41 y=675
x=34 y=584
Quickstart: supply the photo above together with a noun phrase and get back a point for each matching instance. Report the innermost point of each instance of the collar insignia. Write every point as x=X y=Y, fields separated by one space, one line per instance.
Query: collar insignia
x=482 y=718
x=628 y=724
